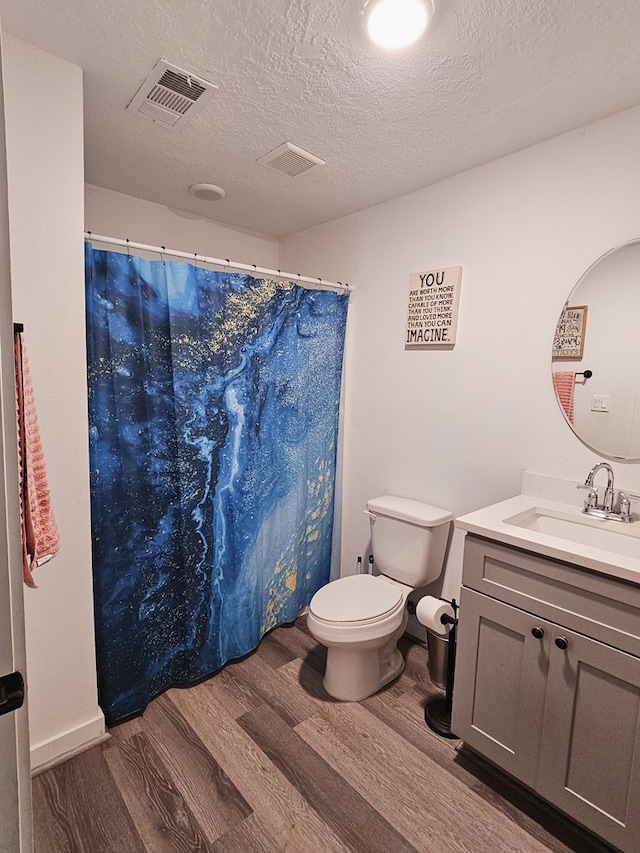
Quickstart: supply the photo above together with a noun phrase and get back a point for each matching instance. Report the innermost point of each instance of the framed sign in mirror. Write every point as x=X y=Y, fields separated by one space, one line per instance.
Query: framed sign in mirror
x=568 y=341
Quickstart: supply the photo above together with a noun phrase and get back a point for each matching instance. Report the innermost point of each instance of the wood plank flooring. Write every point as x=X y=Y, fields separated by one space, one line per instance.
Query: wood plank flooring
x=258 y=759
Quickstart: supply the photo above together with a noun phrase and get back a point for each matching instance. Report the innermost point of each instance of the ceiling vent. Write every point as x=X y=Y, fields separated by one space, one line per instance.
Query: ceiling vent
x=171 y=96
x=290 y=160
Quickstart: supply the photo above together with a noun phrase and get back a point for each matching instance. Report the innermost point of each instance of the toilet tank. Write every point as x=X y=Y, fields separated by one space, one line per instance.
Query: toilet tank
x=408 y=538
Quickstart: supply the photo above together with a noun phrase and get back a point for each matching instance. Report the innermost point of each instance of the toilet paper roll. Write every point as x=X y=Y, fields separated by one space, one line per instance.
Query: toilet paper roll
x=430 y=611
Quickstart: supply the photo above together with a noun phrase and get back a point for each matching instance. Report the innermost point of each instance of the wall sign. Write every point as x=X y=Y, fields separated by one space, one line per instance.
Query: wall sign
x=568 y=341
x=432 y=312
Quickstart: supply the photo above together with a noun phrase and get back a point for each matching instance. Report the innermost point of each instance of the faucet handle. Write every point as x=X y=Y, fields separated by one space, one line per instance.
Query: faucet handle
x=592 y=498
x=624 y=505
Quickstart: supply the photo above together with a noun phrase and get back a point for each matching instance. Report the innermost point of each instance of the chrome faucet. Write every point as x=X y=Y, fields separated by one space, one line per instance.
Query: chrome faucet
x=591 y=504
x=605 y=509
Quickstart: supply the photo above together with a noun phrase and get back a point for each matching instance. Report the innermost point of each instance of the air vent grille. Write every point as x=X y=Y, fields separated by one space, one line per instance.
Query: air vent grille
x=171 y=95
x=290 y=160
x=182 y=84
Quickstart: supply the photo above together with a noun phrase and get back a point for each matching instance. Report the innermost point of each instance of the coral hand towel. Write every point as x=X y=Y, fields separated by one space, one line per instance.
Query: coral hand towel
x=564 y=381
x=40 y=537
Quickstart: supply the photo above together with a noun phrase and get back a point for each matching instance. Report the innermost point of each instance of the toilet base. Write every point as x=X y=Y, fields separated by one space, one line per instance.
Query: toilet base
x=355 y=674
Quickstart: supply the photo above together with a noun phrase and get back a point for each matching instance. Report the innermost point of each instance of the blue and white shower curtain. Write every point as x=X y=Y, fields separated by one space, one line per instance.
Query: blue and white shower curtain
x=213 y=408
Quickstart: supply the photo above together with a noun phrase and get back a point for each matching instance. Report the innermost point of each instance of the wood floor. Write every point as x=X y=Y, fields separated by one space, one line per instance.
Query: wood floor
x=258 y=759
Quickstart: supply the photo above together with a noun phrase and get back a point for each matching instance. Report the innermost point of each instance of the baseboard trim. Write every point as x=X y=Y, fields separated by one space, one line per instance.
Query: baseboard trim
x=63 y=746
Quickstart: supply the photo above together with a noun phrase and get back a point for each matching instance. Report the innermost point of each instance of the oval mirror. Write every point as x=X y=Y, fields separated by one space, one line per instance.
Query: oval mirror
x=596 y=355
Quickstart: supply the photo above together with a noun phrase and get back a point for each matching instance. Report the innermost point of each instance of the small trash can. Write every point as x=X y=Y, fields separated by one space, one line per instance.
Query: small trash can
x=438 y=648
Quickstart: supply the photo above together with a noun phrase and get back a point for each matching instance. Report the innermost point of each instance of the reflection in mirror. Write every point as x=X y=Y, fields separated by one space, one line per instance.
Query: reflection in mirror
x=599 y=332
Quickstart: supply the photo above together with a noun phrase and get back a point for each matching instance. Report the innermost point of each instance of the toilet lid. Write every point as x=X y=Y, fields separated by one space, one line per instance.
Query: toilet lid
x=355 y=599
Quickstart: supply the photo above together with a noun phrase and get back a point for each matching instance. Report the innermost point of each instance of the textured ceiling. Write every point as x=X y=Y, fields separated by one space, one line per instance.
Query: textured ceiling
x=489 y=78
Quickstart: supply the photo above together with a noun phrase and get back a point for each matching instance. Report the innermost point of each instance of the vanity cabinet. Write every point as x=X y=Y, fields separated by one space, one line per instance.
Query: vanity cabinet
x=547 y=683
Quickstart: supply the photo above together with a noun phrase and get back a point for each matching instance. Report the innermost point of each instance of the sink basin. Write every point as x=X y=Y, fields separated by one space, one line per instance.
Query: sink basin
x=579 y=528
x=561 y=531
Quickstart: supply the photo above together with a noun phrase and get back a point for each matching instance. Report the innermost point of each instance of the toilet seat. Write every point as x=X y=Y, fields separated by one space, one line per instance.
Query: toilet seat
x=356 y=600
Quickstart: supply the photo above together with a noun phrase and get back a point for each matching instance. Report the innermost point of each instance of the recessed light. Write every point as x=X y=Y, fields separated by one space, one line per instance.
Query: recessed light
x=396 y=23
x=207 y=192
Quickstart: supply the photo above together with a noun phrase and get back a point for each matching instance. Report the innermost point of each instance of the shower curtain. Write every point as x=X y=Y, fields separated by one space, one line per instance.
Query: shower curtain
x=213 y=408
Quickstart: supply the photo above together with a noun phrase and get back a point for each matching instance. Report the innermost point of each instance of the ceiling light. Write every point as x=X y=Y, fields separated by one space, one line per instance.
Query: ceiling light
x=207 y=192
x=396 y=23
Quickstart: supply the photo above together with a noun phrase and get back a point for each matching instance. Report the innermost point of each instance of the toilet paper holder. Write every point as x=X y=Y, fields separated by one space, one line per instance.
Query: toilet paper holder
x=437 y=712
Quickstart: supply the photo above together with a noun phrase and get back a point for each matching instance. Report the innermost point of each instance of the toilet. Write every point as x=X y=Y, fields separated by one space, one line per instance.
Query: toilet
x=360 y=618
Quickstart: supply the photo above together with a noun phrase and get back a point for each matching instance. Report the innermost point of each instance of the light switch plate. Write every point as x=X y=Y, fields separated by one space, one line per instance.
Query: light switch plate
x=601 y=403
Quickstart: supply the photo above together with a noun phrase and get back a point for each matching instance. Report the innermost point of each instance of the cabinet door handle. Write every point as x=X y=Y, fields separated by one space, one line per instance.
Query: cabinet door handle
x=538 y=632
x=562 y=643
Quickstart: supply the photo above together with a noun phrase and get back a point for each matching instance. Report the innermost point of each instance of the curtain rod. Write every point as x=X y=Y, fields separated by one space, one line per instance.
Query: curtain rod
x=318 y=283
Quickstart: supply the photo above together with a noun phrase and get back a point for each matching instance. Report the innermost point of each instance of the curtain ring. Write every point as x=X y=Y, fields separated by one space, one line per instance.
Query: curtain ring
x=162 y=256
x=128 y=249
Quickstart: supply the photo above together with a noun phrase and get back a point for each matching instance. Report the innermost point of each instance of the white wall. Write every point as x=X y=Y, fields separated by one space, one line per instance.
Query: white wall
x=457 y=428
x=112 y=214
x=15 y=792
x=45 y=174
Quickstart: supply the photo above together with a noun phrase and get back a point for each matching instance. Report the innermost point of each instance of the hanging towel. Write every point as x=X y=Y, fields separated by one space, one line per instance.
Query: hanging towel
x=564 y=382
x=40 y=537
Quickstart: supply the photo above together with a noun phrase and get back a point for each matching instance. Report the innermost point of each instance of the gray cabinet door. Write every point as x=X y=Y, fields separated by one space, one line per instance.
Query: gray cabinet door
x=589 y=763
x=500 y=681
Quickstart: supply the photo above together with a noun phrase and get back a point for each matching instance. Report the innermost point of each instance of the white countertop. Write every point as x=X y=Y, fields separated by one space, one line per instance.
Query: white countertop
x=490 y=523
